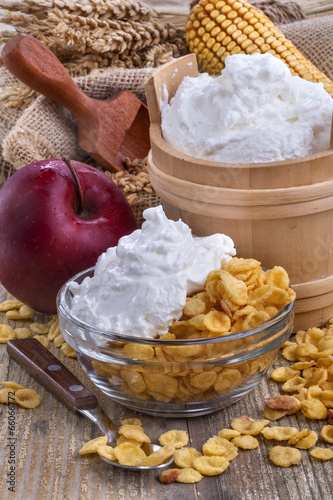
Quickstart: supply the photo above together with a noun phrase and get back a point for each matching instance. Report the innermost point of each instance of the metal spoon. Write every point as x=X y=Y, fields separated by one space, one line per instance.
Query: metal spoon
x=50 y=372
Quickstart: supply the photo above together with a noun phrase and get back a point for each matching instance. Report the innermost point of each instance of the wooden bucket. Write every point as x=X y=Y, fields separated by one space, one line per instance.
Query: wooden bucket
x=280 y=213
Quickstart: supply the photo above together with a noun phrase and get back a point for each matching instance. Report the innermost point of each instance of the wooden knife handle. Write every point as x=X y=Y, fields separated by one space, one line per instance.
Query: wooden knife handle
x=50 y=372
x=35 y=65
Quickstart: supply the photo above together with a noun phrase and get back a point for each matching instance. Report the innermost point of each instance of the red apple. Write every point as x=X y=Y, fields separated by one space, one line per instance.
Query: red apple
x=46 y=236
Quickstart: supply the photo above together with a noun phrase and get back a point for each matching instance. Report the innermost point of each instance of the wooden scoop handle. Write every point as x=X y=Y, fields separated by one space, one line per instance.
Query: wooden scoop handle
x=50 y=372
x=36 y=66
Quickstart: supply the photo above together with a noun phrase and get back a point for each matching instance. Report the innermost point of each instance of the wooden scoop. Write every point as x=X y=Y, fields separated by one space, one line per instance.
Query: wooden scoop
x=110 y=130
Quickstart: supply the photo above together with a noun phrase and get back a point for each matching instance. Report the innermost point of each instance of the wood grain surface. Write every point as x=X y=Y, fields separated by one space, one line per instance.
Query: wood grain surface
x=48 y=438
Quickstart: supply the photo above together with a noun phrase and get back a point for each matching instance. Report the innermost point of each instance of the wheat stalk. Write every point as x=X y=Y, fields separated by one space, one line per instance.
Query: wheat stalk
x=112 y=9
x=105 y=35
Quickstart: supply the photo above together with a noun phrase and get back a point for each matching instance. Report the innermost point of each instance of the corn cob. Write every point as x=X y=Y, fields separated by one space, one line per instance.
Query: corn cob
x=216 y=29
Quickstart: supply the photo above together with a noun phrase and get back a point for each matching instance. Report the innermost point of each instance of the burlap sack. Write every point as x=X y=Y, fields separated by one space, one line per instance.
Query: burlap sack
x=314 y=37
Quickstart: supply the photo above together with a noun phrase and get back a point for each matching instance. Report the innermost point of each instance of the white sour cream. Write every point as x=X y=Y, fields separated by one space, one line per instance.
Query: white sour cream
x=139 y=287
x=256 y=111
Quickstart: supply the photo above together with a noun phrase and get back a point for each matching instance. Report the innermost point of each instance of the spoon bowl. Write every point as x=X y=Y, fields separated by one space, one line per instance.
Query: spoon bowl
x=155 y=447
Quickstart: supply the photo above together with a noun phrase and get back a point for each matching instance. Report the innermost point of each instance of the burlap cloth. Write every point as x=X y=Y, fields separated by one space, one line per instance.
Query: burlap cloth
x=44 y=129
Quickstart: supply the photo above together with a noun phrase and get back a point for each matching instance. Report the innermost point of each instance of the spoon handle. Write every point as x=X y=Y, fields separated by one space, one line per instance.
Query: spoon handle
x=35 y=65
x=50 y=372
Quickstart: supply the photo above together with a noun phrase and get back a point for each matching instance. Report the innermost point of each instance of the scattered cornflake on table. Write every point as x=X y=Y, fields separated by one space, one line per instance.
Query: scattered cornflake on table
x=322 y=453
x=285 y=456
x=16 y=393
x=327 y=433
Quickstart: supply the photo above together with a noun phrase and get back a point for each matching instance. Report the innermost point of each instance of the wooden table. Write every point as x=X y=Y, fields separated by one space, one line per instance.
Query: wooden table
x=48 y=465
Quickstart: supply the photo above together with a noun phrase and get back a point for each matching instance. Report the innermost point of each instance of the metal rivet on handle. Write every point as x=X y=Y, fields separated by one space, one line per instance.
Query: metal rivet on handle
x=54 y=368
x=75 y=388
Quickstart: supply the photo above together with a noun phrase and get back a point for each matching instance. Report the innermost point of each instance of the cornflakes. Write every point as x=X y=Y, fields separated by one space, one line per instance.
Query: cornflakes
x=27 y=398
x=216 y=444
x=302 y=365
x=283 y=373
x=92 y=445
x=174 y=438
x=283 y=403
x=255 y=319
x=204 y=380
x=327 y=433
x=294 y=384
x=210 y=465
x=305 y=350
x=228 y=433
x=314 y=409
x=307 y=441
x=43 y=340
x=58 y=341
x=314 y=392
x=129 y=454
x=6 y=333
x=289 y=352
x=273 y=415
x=246 y=442
x=319 y=376
x=188 y=476
x=107 y=452
x=68 y=350
x=285 y=456
x=134 y=379
x=246 y=425
x=4 y=395
x=221 y=284
x=9 y=304
x=12 y=385
x=22 y=333
x=123 y=439
x=194 y=306
x=227 y=380
x=158 y=457
x=184 y=457
x=279 y=433
x=134 y=432
x=138 y=351
x=53 y=331
x=24 y=312
x=157 y=381
x=217 y=322
x=131 y=421
x=297 y=437
x=39 y=328
x=322 y=453
x=238 y=265
x=278 y=277
x=169 y=476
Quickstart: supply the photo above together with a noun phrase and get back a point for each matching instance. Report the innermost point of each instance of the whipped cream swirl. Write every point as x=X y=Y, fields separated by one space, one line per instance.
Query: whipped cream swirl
x=139 y=287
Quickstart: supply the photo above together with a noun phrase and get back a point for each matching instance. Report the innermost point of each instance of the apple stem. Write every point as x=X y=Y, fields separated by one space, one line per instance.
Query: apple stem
x=77 y=184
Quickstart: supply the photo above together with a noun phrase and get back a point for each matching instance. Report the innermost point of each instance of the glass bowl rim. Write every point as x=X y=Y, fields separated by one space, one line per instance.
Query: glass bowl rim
x=64 y=310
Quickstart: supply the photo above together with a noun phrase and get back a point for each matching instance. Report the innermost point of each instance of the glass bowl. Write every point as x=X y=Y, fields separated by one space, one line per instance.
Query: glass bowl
x=173 y=378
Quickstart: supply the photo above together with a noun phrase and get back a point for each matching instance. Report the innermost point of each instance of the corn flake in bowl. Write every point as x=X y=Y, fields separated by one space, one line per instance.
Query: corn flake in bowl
x=223 y=345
